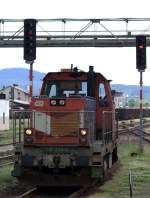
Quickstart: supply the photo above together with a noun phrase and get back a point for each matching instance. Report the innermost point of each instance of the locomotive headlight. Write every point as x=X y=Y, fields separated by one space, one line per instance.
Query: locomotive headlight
x=83 y=132
x=53 y=102
x=62 y=102
x=28 y=132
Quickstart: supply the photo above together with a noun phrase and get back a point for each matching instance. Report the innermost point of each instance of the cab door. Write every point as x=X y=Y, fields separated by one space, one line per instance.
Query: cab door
x=104 y=105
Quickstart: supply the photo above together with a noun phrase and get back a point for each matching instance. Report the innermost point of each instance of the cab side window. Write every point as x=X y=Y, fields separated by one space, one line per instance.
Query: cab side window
x=52 y=91
x=103 y=102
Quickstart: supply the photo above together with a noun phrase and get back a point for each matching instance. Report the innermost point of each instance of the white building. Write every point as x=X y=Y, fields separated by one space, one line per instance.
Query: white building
x=4 y=114
x=119 y=99
x=15 y=93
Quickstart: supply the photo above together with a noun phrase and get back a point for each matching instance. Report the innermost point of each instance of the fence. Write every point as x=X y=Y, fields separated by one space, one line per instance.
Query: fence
x=135 y=185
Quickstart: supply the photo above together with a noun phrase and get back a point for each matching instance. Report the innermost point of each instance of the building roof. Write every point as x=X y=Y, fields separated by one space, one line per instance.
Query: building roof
x=15 y=87
x=117 y=93
x=21 y=102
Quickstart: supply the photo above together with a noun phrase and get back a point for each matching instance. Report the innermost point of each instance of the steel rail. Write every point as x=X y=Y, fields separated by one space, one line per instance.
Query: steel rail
x=5 y=164
x=144 y=137
x=7 y=144
x=27 y=193
x=6 y=160
x=133 y=131
x=85 y=189
x=78 y=193
x=120 y=131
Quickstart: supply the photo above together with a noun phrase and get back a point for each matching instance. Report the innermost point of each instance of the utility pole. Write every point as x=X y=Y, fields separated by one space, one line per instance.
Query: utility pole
x=30 y=80
x=141 y=111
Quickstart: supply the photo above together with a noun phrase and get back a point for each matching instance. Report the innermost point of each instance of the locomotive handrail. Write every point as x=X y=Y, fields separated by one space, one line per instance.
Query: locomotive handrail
x=23 y=119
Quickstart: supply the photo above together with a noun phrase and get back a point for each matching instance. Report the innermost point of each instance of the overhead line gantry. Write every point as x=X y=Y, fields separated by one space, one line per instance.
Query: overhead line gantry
x=66 y=32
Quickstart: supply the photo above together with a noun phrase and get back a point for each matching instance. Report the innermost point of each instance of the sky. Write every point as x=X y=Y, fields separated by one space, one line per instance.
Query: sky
x=116 y=64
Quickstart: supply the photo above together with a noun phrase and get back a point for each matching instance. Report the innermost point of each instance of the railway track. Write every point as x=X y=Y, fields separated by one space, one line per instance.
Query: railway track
x=136 y=131
x=79 y=193
x=6 y=160
x=6 y=154
x=84 y=190
x=75 y=193
x=146 y=136
x=33 y=193
x=28 y=193
x=7 y=144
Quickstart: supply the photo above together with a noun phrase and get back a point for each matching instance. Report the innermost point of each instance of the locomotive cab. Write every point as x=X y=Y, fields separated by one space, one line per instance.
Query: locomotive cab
x=71 y=130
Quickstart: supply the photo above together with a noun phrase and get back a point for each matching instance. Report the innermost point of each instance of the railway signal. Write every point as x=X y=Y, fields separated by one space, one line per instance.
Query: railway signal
x=141 y=66
x=141 y=52
x=30 y=49
x=29 y=40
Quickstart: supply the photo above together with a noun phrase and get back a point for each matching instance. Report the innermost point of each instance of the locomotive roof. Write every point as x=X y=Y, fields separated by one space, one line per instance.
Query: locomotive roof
x=64 y=74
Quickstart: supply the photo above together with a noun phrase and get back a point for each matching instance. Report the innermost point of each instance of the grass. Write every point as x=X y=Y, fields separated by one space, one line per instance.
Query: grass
x=6 y=180
x=140 y=167
x=6 y=137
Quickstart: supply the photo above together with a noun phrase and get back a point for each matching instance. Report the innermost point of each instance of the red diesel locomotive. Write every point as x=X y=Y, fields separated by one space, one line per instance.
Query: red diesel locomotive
x=70 y=135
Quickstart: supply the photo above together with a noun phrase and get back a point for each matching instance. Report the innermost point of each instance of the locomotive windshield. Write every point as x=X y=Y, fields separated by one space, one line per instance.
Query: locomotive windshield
x=65 y=88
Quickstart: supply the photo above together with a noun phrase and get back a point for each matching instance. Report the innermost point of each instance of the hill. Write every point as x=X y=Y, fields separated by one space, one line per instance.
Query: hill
x=20 y=76
x=132 y=90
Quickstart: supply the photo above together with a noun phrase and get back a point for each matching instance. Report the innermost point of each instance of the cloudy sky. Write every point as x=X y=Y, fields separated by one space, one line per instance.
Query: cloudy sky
x=117 y=64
